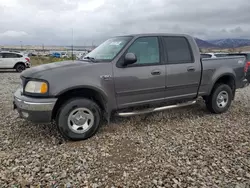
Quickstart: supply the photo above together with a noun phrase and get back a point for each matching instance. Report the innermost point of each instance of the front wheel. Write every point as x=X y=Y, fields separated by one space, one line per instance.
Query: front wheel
x=220 y=99
x=79 y=119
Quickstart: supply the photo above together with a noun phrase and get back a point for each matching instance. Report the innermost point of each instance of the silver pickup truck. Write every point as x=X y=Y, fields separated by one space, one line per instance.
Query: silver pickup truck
x=127 y=75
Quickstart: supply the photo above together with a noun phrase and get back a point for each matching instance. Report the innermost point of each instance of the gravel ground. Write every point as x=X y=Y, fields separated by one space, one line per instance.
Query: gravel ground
x=186 y=147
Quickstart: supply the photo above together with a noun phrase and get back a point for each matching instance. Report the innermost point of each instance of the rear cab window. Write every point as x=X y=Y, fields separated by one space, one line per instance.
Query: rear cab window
x=248 y=57
x=175 y=46
x=206 y=56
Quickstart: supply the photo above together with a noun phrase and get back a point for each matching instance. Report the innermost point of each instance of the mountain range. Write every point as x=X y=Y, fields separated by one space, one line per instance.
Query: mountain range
x=222 y=43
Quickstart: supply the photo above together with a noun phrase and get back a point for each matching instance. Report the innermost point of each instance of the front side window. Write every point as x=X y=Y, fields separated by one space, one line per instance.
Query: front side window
x=108 y=49
x=146 y=50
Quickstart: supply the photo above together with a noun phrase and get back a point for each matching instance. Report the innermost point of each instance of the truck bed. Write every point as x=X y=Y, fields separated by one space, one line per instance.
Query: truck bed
x=213 y=68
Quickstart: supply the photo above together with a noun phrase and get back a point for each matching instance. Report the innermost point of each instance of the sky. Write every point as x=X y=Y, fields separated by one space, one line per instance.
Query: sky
x=59 y=22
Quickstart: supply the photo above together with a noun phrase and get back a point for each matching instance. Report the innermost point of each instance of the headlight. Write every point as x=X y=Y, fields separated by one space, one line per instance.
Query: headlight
x=36 y=87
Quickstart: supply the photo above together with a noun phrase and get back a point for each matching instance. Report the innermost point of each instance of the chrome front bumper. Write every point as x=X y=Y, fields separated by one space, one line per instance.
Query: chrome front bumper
x=33 y=106
x=34 y=109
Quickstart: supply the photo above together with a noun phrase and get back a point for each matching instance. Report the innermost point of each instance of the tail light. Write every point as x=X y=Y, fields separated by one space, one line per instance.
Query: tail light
x=247 y=66
x=27 y=59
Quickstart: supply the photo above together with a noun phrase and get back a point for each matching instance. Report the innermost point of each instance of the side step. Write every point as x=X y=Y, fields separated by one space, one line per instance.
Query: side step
x=149 y=110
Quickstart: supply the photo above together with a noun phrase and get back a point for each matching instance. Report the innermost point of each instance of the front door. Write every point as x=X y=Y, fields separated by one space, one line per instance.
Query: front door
x=144 y=81
x=8 y=60
x=183 y=72
x=1 y=61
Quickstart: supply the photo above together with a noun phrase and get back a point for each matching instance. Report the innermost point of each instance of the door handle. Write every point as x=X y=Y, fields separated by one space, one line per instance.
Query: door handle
x=190 y=69
x=156 y=72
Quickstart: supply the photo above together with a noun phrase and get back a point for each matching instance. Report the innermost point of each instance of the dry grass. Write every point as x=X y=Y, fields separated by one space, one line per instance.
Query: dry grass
x=234 y=50
x=39 y=60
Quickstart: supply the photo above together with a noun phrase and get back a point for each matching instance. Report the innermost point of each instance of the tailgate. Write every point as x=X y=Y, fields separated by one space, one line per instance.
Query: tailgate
x=247 y=65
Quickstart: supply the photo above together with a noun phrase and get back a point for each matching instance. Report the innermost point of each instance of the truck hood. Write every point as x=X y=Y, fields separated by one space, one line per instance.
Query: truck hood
x=32 y=72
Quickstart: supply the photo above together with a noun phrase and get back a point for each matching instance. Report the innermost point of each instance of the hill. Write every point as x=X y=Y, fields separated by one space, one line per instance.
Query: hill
x=230 y=43
x=204 y=44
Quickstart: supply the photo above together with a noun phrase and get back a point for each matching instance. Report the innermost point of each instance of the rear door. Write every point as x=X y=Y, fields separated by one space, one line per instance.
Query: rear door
x=144 y=81
x=183 y=72
x=17 y=58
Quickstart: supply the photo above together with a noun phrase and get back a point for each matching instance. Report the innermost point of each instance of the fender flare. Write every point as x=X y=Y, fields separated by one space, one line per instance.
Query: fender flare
x=219 y=77
x=98 y=90
x=20 y=62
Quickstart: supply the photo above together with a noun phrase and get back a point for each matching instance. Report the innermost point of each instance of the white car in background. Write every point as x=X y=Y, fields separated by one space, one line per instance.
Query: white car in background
x=64 y=55
x=13 y=60
x=213 y=55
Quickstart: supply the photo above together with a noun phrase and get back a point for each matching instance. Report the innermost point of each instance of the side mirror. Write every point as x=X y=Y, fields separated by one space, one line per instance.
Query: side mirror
x=129 y=59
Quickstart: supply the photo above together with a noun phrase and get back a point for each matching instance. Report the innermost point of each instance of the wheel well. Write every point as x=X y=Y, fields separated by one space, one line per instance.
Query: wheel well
x=18 y=63
x=228 y=80
x=83 y=92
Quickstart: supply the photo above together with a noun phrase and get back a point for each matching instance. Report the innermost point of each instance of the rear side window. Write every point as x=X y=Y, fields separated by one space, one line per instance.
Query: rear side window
x=178 y=50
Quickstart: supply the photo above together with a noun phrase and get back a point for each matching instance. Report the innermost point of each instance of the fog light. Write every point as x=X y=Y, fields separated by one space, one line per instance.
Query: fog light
x=25 y=114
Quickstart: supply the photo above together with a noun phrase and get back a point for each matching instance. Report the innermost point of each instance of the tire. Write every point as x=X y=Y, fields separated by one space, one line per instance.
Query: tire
x=70 y=122
x=20 y=67
x=216 y=104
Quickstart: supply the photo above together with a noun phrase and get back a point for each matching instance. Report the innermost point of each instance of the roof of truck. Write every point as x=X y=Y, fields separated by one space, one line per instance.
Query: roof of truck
x=155 y=34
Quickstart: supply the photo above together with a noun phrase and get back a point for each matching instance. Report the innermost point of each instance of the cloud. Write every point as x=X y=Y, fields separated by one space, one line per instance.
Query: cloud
x=13 y=34
x=51 y=21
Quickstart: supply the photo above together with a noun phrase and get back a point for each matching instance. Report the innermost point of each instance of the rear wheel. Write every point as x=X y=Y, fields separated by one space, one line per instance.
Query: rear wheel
x=20 y=67
x=78 y=119
x=220 y=99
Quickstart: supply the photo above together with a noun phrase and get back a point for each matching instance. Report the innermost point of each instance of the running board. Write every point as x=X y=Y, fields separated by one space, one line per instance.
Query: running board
x=149 y=110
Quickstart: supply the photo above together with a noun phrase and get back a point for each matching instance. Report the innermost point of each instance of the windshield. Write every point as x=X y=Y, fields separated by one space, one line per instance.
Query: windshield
x=108 y=49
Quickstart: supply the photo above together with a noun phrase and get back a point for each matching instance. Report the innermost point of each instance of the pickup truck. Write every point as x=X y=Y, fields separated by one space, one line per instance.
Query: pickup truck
x=126 y=76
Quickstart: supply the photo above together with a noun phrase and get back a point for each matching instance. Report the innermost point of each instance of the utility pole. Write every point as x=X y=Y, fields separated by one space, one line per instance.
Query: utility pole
x=72 y=45
x=21 y=45
x=43 y=48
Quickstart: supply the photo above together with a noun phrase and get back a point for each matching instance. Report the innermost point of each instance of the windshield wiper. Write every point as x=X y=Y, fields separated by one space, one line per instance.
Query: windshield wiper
x=92 y=59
